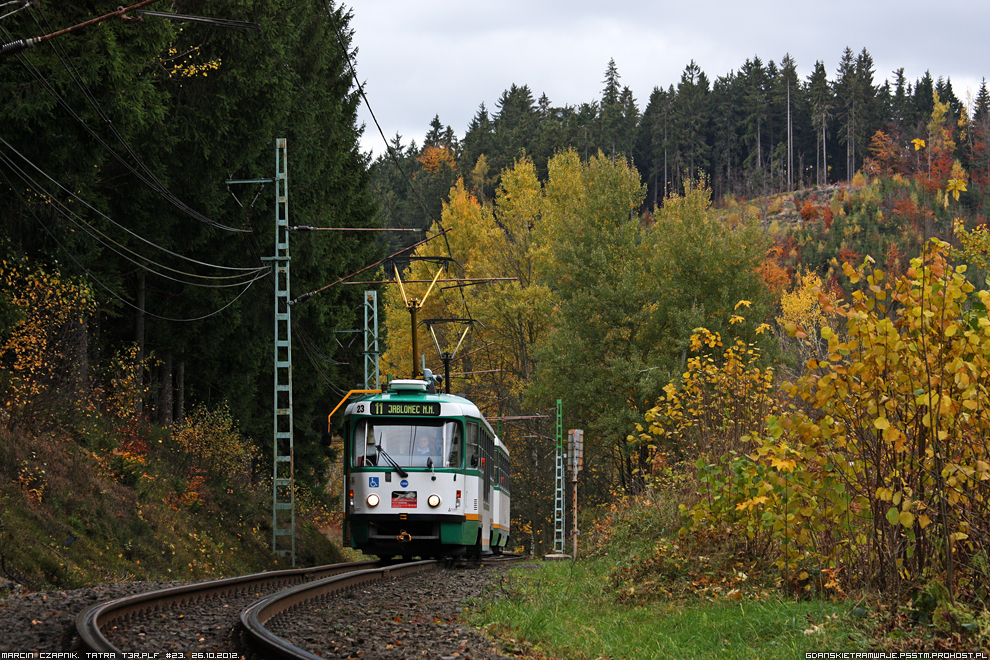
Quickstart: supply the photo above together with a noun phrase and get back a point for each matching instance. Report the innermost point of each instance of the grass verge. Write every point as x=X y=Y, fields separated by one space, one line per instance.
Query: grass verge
x=565 y=610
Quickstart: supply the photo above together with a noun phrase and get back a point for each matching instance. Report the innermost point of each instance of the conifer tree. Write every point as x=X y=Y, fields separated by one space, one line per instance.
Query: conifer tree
x=757 y=110
x=900 y=101
x=923 y=104
x=788 y=89
x=516 y=126
x=847 y=94
x=162 y=133
x=728 y=93
x=691 y=116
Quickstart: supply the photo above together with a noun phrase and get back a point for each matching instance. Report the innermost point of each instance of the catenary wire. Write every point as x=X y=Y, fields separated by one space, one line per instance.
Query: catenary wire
x=153 y=184
x=360 y=87
x=388 y=147
x=318 y=359
x=11 y=13
x=243 y=272
x=60 y=208
x=114 y=294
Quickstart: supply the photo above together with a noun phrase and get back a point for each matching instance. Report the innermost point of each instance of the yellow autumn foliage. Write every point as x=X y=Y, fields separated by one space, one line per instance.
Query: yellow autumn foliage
x=50 y=334
x=801 y=314
x=879 y=469
x=723 y=397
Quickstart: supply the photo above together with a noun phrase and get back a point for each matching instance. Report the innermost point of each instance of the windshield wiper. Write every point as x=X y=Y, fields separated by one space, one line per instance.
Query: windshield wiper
x=398 y=468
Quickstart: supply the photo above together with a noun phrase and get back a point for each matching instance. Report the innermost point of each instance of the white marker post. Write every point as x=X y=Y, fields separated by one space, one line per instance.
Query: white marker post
x=575 y=457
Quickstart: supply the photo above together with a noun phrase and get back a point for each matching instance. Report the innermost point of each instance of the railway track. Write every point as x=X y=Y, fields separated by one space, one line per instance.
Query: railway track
x=229 y=618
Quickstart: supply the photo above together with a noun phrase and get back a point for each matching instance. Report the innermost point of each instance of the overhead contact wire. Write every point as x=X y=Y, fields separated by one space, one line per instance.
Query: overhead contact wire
x=244 y=271
x=156 y=187
x=60 y=208
x=154 y=183
x=389 y=149
x=126 y=302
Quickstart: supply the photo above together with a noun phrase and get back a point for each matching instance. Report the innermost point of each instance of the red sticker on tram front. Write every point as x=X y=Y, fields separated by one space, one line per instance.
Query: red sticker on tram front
x=403 y=499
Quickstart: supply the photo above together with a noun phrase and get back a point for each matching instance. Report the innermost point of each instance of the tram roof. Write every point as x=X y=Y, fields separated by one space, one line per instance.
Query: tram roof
x=409 y=390
x=416 y=390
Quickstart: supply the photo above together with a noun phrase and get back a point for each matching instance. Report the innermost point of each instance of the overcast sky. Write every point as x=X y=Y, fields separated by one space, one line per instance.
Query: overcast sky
x=420 y=58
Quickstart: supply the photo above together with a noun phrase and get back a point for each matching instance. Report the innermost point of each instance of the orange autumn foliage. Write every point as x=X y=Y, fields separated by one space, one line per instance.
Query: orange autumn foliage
x=809 y=211
x=434 y=159
x=773 y=273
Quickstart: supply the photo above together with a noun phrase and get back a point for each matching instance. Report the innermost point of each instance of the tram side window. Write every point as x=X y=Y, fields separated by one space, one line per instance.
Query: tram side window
x=454 y=456
x=503 y=471
x=488 y=469
x=473 y=451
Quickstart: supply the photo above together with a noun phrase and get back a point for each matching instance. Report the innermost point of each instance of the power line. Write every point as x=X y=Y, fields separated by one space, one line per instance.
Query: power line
x=62 y=210
x=22 y=44
x=360 y=87
x=305 y=296
x=150 y=180
x=114 y=294
x=242 y=271
x=389 y=149
x=155 y=184
x=24 y=5
x=219 y=22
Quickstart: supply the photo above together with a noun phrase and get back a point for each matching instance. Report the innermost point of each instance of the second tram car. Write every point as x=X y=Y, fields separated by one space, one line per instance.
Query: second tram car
x=425 y=475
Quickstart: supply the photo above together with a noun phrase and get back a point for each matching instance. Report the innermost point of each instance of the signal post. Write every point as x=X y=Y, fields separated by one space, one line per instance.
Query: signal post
x=575 y=458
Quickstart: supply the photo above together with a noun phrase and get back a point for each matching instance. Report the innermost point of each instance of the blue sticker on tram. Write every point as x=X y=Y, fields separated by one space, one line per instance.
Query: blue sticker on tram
x=372 y=482
x=404 y=483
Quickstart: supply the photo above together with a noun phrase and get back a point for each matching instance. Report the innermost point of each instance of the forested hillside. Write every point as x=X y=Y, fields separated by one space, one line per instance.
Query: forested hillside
x=756 y=303
x=626 y=231
x=764 y=128
x=117 y=144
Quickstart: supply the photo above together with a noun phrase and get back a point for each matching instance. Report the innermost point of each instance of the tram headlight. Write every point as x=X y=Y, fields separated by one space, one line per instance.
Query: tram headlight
x=434 y=501
x=373 y=500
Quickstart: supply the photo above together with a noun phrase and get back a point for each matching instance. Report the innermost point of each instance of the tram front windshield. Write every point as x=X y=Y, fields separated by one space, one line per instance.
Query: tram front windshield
x=408 y=444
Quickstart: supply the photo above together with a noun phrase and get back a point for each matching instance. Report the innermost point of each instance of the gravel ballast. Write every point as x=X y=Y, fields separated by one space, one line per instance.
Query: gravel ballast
x=42 y=621
x=413 y=617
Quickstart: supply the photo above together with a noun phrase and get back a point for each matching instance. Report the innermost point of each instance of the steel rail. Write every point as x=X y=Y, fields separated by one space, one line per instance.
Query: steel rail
x=91 y=621
x=254 y=618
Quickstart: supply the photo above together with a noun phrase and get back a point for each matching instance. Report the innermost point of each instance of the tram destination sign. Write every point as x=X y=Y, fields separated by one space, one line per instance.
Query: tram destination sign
x=405 y=408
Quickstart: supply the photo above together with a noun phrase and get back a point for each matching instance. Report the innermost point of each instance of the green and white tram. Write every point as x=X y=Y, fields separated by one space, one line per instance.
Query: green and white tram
x=426 y=475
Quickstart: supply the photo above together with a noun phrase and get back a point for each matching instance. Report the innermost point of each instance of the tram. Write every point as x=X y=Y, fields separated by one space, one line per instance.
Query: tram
x=425 y=474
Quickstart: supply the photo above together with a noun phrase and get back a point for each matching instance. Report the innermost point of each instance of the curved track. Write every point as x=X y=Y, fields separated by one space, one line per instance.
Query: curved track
x=92 y=622
x=253 y=619
x=292 y=588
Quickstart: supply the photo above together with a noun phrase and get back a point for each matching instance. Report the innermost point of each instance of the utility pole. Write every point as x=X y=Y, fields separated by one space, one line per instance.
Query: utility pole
x=283 y=470
x=283 y=474
x=371 y=340
x=283 y=477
